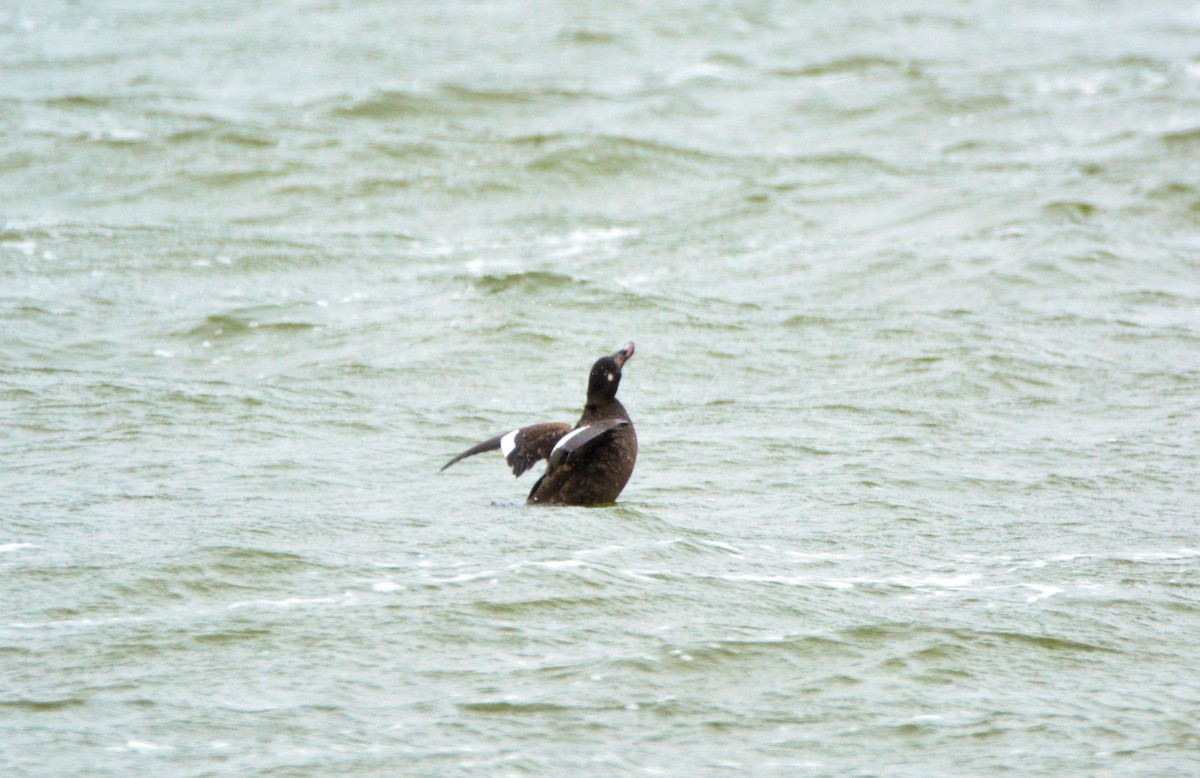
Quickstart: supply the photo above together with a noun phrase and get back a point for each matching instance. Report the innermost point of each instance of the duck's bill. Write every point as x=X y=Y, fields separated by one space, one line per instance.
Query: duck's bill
x=624 y=354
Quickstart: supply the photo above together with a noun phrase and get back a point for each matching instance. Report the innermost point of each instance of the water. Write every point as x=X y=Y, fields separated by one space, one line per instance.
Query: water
x=916 y=292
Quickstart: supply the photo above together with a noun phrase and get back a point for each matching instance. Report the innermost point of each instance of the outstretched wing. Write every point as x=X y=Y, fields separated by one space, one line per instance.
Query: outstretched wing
x=522 y=448
x=581 y=440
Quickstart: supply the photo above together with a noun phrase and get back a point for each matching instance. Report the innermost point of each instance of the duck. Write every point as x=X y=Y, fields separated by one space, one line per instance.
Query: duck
x=586 y=464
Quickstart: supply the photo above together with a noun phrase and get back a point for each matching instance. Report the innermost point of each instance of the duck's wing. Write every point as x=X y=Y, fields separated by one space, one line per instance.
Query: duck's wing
x=522 y=448
x=582 y=439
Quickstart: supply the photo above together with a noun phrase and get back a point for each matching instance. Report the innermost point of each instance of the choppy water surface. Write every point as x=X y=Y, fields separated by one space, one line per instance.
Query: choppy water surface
x=916 y=291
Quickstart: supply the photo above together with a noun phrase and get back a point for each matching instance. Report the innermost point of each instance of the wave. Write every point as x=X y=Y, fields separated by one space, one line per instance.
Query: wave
x=852 y=65
x=1181 y=140
x=43 y=706
x=1073 y=211
x=235 y=136
x=526 y=282
x=584 y=156
x=925 y=637
x=448 y=100
x=249 y=321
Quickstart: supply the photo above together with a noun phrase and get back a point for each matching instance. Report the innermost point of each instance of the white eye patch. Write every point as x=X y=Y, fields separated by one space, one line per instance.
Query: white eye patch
x=610 y=376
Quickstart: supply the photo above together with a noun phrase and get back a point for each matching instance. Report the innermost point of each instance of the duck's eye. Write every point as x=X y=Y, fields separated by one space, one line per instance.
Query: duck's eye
x=610 y=376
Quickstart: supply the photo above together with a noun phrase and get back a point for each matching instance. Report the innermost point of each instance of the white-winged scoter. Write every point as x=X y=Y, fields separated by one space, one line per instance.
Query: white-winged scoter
x=587 y=464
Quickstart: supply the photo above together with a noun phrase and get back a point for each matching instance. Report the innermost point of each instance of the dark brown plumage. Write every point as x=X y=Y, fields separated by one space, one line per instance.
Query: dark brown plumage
x=587 y=464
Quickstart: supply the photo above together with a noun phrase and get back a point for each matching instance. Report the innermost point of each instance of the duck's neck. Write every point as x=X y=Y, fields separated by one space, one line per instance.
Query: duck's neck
x=608 y=408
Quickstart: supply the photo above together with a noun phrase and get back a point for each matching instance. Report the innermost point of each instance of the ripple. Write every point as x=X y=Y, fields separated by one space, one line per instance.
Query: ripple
x=448 y=100
x=43 y=706
x=287 y=603
x=899 y=635
x=253 y=561
x=389 y=104
x=232 y=636
x=593 y=156
x=1182 y=140
x=523 y=283
x=588 y=36
x=220 y=134
x=504 y=708
x=1070 y=211
x=251 y=321
x=1047 y=642
x=794 y=650
x=855 y=65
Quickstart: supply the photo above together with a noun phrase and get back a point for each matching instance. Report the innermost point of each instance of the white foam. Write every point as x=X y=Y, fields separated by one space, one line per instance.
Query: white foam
x=552 y=564
x=1129 y=556
x=602 y=550
x=723 y=546
x=141 y=746
x=125 y=135
x=387 y=586
x=951 y=582
x=5 y=547
x=1042 y=592
x=76 y=622
x=937 y=581
x=705 y=71
x=1157 y=556
x=27 y=247
x=814 y=556
x=482 y=267
x=291 y=602
x=462 y=578
x=591 y=235
x=832 y=583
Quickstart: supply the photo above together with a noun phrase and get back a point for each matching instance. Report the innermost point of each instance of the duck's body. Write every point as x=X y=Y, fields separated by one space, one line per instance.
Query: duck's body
x=588 y=464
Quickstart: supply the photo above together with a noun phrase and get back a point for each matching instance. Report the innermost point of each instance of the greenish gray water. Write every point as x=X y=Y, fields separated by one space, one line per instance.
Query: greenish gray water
x=916 y=292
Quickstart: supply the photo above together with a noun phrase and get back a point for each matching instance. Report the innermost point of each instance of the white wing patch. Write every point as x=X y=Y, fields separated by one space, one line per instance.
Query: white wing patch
x=508 y=443
x=565 y=438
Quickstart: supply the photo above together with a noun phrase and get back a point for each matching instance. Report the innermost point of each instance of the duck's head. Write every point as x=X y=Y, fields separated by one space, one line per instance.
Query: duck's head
x=606 y=375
